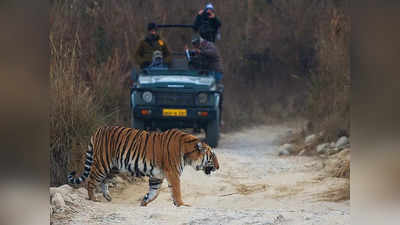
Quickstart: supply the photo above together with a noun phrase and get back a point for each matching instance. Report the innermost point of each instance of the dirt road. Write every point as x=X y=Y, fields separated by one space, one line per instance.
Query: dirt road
x=253 y=186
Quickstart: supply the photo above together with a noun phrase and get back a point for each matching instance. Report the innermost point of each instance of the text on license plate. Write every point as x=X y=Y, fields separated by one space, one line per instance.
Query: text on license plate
x=174 y=112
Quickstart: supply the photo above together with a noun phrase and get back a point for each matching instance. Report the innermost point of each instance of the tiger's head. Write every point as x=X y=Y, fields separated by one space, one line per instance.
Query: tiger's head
x=201 y=157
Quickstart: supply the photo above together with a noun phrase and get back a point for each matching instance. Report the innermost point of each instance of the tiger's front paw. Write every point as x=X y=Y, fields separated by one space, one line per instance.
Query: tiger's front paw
x=145 y=200
x=143 y=203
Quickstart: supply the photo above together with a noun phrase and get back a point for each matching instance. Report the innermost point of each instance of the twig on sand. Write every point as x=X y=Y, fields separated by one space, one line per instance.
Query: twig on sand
x=229 y=194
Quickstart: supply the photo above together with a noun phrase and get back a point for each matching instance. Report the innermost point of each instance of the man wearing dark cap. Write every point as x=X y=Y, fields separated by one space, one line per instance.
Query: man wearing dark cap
x=147 y=47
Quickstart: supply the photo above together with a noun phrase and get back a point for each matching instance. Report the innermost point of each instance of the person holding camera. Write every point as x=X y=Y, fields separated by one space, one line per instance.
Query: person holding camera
x=205 y=56
x=207 y=24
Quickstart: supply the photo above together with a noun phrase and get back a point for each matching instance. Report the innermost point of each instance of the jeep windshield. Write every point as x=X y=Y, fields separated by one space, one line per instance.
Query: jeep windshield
x=177 y=72
x=179 y=66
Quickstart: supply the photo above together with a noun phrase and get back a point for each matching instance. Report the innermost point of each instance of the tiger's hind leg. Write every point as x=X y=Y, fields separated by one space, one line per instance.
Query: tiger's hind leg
x=154 y=191
x=104 y=184
x=92 y=184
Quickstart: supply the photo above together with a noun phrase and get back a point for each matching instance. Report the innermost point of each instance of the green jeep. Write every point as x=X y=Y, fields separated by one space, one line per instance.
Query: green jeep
x=176 y=97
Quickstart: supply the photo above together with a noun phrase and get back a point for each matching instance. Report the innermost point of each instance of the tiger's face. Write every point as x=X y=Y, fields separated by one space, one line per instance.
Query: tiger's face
x=206 y=159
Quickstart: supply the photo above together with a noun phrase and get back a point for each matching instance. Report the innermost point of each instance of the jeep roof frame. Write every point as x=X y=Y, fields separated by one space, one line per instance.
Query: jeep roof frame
x=174 y=26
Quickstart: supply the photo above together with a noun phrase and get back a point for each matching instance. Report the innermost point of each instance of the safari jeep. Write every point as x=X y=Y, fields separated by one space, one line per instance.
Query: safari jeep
x=165 y=98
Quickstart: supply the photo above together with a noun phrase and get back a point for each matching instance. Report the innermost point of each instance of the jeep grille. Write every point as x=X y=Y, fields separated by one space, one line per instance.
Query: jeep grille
x=179 y=99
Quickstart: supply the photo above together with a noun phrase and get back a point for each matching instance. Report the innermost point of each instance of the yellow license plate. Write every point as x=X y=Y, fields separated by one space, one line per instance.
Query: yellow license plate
x=174 y=112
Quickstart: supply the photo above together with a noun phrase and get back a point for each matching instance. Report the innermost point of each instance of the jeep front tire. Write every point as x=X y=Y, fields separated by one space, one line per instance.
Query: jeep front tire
x=212 y=132
x=137 y=123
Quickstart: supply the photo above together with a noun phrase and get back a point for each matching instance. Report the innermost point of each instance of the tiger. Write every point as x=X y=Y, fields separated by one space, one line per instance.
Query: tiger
x=157 y=155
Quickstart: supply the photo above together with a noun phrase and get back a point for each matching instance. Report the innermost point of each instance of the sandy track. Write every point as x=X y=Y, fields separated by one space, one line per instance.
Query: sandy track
x=253 y=186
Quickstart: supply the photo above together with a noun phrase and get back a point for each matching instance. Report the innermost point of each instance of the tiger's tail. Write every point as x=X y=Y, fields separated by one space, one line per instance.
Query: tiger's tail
x=88 y=164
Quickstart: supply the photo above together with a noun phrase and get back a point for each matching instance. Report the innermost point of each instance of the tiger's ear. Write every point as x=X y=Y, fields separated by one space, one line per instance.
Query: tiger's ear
x=200 y=147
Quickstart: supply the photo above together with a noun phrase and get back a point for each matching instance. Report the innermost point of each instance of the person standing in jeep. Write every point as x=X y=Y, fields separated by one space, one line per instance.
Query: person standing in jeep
x=147 y=47
x=207 y=24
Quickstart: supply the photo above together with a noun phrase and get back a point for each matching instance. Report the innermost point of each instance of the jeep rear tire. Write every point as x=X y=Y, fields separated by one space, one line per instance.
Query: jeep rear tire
x=212 y=133
x=137 y=123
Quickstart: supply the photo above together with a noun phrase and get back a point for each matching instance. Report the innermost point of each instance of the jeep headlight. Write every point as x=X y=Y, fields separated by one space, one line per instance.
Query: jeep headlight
x=203 y=98
x=147 y=96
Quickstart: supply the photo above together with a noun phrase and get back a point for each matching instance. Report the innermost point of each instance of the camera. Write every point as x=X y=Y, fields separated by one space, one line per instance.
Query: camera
x=206 y=13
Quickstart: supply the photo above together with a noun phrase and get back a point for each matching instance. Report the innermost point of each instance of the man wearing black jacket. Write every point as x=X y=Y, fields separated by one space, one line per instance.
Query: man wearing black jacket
x=207 y=24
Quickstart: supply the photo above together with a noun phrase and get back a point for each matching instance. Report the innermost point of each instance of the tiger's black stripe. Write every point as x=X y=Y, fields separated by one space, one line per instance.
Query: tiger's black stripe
x=123 y=149
x=126 y=154
x=137 y=158
x=121 y=140
x=120 y=151
x=172 y=134
x=144 y=158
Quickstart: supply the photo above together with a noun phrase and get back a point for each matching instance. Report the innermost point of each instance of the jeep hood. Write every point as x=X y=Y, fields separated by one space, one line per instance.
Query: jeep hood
x=175 y=81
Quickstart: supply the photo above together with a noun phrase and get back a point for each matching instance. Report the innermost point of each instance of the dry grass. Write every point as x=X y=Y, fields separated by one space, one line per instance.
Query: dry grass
x=73 y=112
x=343 y=169
x=77 y=109
x=79 y=104
x=335 y=194
x=337 y=166
x=329 y=81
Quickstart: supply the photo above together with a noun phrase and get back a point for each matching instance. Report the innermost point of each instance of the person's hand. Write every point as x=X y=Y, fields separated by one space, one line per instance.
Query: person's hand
x=201 y=11
x=211 y=14
x=186 y=47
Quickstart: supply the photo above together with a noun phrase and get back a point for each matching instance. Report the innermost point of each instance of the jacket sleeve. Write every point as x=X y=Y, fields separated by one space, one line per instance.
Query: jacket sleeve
x=139 y=54
x=197 y=23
